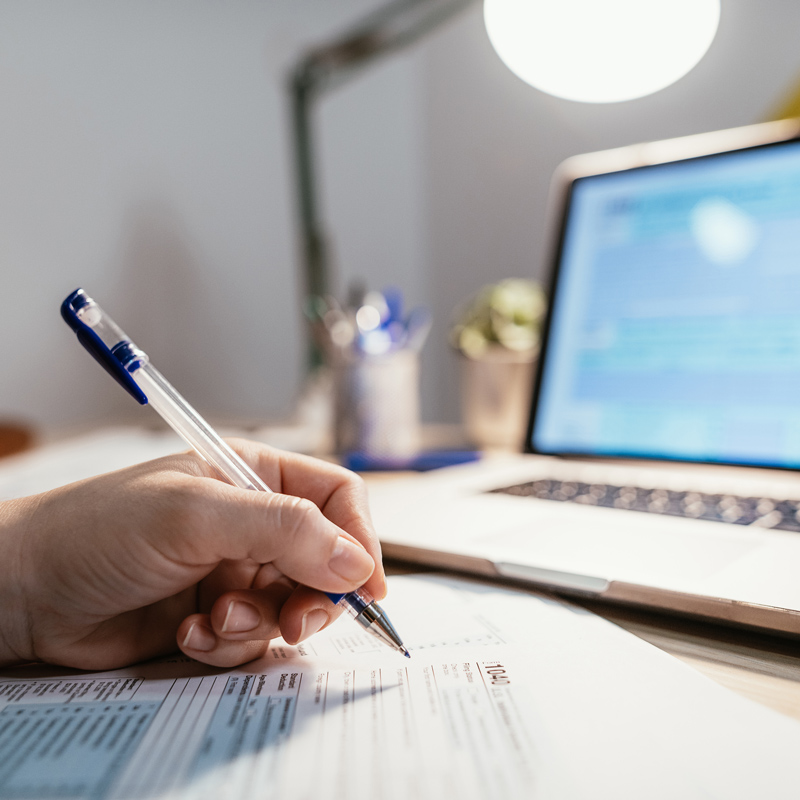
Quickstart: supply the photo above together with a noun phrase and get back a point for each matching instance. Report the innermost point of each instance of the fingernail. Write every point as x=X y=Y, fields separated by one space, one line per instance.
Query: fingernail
x=199 y=638
x=350 y=561
x=313 y=621
x=240 y=617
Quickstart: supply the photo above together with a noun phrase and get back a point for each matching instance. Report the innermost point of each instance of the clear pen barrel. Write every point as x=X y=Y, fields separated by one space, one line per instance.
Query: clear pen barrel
x=193 y=429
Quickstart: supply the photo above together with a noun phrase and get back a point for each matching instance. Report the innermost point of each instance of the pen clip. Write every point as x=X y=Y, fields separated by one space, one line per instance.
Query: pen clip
x=97 y=348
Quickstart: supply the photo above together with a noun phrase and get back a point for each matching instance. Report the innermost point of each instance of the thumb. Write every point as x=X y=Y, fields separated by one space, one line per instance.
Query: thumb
x=289 y=532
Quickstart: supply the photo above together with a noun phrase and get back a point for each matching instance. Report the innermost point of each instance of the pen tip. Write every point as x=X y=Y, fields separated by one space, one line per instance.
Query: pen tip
x=406 y=653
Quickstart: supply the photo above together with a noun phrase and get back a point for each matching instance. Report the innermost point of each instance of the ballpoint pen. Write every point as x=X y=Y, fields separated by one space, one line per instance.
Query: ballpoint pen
x=131 y=367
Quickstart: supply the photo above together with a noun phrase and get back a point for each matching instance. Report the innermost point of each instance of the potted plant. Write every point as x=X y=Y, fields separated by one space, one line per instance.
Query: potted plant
x=497 y=335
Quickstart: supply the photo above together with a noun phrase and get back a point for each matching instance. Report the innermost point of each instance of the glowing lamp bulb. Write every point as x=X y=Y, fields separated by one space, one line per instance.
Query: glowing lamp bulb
x=601 y=51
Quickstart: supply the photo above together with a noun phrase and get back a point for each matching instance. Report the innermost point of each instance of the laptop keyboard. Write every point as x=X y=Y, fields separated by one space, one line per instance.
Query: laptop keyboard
x=764 y=512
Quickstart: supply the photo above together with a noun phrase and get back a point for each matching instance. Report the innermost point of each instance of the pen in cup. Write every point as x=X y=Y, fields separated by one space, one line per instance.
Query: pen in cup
x=131 y=367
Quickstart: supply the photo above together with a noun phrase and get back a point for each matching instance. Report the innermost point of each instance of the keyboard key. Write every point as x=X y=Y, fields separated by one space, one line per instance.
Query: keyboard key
x=761 y=512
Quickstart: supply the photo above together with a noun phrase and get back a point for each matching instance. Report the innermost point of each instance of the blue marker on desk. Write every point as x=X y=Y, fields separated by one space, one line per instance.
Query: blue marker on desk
x=132 y=368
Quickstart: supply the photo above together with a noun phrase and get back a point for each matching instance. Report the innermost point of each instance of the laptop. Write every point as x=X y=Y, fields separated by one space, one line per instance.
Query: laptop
x=660 y=466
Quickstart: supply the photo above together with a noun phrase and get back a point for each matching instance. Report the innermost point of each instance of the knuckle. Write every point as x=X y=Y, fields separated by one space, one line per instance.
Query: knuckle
x=356 y=483
x=346 y=476
x=297 y=515
x=352 y=490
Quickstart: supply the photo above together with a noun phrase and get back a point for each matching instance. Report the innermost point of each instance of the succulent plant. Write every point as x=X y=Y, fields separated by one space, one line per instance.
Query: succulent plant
x=507 y=314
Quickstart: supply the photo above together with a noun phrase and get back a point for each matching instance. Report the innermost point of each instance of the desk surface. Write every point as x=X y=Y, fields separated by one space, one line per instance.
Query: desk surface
x=763 y=668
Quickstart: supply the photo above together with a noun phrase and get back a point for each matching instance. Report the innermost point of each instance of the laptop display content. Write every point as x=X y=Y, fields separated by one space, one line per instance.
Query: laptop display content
x=675 y=322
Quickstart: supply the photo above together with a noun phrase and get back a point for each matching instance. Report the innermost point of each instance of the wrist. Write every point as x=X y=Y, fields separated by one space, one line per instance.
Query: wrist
x=15 y=637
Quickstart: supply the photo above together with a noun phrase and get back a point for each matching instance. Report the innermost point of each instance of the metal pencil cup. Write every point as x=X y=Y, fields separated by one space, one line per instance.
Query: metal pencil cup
x=495 y=397
x=376 y=410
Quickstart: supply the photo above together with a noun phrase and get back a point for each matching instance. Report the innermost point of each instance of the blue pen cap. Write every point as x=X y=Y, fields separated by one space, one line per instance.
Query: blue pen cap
x=105 y=340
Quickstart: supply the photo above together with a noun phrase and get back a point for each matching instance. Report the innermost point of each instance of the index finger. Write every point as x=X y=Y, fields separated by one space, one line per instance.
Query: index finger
x=339 y=493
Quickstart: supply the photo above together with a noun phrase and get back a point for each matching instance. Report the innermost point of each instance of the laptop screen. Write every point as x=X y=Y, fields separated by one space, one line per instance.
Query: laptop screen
x=675 y=321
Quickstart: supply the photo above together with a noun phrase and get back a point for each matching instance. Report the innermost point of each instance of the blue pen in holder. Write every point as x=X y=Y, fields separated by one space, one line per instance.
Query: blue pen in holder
x=373 y=352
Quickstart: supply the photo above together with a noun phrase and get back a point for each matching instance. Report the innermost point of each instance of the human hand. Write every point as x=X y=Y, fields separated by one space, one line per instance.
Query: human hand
x=127 y=566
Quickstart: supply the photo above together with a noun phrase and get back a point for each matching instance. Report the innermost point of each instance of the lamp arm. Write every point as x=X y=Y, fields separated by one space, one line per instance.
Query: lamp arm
x=389 y=29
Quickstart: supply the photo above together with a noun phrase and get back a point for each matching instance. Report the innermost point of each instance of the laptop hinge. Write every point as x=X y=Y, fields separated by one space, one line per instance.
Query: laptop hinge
x=551 y=577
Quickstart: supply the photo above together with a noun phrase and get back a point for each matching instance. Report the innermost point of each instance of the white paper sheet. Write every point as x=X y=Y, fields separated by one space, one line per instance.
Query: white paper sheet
x=506 y=695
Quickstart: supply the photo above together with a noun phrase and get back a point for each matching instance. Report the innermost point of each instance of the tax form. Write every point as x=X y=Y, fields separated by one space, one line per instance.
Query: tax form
x=507 y=695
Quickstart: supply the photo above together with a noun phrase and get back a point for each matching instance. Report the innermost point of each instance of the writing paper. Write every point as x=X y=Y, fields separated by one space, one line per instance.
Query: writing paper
x=507 y=694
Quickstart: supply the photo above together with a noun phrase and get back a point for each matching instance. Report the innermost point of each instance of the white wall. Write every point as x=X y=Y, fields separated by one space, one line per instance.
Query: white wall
x=144 y=154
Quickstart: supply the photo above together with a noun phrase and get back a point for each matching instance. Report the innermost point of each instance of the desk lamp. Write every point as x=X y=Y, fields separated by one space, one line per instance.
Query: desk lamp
x=598 y=51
